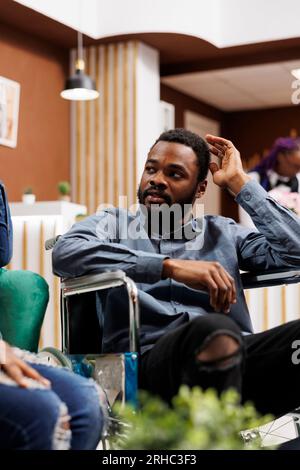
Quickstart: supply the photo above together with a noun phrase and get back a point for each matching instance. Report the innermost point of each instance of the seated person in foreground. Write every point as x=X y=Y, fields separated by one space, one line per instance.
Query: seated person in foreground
x=195 y=325
x=43 y=407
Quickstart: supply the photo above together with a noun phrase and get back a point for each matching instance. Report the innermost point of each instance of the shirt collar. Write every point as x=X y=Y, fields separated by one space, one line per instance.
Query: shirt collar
x=274 y=177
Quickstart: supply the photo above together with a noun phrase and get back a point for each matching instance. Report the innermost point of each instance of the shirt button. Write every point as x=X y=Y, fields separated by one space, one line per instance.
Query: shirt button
x=247 y=196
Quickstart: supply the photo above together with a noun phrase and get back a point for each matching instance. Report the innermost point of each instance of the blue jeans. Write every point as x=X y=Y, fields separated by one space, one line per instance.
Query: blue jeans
x=37 y=419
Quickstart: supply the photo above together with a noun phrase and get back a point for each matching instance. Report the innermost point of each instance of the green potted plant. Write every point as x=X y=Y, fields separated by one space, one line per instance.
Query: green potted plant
x=64 y=190
x=28 y=197
x=198 y=420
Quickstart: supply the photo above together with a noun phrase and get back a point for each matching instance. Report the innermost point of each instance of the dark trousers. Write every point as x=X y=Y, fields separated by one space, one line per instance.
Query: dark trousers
x=262 y=371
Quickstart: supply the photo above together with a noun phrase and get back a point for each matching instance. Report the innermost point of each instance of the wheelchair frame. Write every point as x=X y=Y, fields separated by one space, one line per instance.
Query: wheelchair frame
x=96 y=282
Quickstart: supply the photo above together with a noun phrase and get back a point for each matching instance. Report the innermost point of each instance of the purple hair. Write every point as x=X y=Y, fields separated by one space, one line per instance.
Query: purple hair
x=281 y=145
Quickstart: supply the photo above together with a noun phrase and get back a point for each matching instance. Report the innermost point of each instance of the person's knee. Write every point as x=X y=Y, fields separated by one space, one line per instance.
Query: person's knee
x=85 y=405
x=219 y=339
x=88 y=415
x=92 y=421
x=220 y=348
x=38 y=421
x=53 y=422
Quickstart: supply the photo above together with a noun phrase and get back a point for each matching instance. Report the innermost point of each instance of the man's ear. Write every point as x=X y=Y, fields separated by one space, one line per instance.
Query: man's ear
x=201 y=188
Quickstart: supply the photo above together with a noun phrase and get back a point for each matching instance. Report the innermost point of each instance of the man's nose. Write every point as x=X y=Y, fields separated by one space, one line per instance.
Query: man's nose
x=158 y=180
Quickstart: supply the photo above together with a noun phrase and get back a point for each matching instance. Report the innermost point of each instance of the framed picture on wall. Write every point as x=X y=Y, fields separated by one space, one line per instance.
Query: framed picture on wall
x=9 y=111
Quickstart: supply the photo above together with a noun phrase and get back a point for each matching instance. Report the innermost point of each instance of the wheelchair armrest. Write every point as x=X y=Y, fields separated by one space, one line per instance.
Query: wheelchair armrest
x=275 y=277
x=93 y=282
x=106 y=280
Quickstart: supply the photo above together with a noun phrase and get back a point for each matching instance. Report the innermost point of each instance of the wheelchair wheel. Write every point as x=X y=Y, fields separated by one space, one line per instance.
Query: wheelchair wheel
x=55 y=357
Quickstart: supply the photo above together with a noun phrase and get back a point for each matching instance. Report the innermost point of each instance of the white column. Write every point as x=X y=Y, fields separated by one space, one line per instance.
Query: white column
x=147 y=102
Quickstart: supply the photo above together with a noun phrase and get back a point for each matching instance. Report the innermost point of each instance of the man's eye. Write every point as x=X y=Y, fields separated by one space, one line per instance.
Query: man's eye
x=150 y=169
x=176 y=175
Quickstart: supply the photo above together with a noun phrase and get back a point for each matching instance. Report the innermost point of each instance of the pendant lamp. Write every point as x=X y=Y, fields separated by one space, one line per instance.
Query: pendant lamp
x=80 y=87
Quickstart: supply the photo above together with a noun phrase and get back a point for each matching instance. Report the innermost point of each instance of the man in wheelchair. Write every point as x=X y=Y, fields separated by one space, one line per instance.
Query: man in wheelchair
x=195 y=325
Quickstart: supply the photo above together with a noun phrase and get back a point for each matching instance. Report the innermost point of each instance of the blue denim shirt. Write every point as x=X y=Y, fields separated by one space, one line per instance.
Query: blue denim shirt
x=165 y=304
x=6 y=233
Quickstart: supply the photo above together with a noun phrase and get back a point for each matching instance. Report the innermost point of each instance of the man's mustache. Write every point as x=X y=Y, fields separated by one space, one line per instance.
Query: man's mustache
x=154 y=192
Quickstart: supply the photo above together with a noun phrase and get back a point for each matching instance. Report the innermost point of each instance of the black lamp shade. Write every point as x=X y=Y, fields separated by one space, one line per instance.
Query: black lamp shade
x=80 y=87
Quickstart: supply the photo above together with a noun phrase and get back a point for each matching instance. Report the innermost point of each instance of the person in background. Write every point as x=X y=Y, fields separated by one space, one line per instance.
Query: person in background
x=43 y=407
x=280 y=169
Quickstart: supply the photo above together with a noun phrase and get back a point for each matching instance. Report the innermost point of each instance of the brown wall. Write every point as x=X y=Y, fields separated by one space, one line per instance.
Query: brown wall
x=184 y=102
x=42 y=155
x=254 y=132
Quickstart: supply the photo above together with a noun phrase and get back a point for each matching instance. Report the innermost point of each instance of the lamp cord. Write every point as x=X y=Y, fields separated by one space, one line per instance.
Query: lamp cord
x=79 y=44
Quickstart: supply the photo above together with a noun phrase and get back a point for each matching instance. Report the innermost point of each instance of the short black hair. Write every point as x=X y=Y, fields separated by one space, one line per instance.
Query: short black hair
x=190 y=139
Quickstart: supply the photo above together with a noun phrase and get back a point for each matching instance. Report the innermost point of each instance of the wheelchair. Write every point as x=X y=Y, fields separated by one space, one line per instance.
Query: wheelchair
x=117 y=373
x=81 y=336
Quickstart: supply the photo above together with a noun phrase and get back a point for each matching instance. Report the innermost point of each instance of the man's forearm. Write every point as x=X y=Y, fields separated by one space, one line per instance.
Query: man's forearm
x=76 y=257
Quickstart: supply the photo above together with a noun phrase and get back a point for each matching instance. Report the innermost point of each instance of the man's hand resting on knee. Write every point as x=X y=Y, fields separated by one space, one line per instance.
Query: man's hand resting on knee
x=209 y=276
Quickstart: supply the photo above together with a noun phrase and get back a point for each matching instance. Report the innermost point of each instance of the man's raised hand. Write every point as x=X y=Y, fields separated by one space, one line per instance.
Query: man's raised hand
x=229 y=172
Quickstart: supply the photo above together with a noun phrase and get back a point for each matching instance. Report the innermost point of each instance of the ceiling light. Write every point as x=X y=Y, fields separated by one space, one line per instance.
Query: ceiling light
x=80 y=87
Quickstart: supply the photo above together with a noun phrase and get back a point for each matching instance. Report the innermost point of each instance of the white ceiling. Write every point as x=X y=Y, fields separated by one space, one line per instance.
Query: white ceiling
x=223 y=23
x=242 y=88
